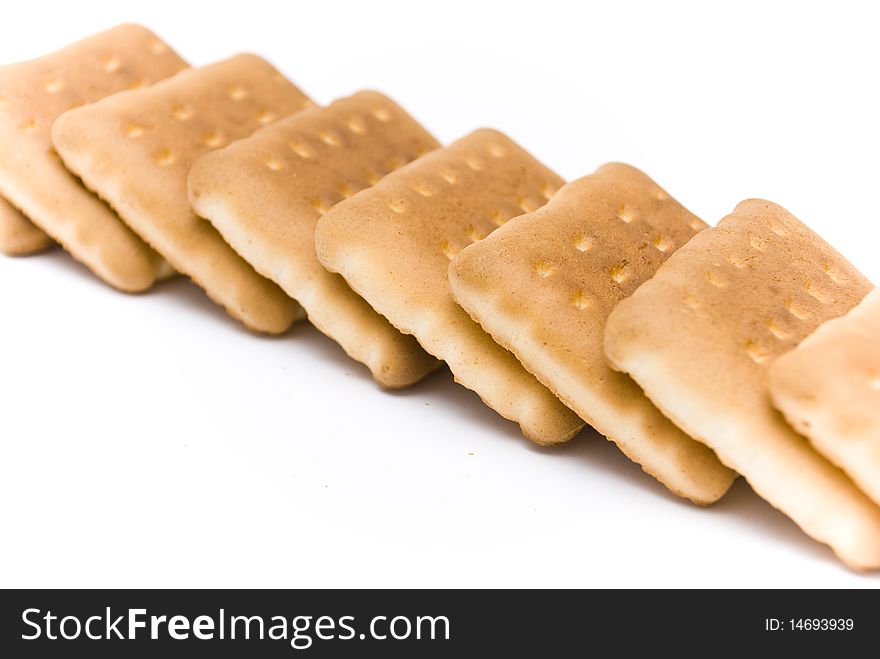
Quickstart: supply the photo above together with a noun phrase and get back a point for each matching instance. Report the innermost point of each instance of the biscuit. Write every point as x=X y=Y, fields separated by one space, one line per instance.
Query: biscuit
x=828 y=388
x=32 y=95
x=135 y=150
x=19 y=236
x=265 y=193
x=392 y=243
x=543 y=287
x=700 y=335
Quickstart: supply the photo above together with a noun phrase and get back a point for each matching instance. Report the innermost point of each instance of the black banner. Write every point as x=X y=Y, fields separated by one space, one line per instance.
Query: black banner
x=416 y=623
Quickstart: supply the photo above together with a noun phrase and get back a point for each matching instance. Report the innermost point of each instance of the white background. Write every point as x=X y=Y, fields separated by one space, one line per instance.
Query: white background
x=151 y=441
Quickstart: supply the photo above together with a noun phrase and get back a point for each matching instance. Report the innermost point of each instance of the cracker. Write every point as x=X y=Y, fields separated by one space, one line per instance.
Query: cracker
x=700 y=335
x=543 y=287
x=265 y=193
x=19 y=236
x=828 y=388
x=393 y=242
x=32 y=95
x=135 y=150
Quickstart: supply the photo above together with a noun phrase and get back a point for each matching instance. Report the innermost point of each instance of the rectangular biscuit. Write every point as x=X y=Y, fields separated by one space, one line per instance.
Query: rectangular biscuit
x=392 y=243
x=32 y=95
x=18 y=235
x=135 y=150
x=265 y=193
x=828 y=388
x=543 y=287
x=700 y=335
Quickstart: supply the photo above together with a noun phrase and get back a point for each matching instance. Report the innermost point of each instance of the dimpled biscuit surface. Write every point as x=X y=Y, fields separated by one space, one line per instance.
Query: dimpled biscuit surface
x=700 y=335
x=32 y=96
x=135 y=149
x=266 y=192
x=543 y=287
x=393 y=243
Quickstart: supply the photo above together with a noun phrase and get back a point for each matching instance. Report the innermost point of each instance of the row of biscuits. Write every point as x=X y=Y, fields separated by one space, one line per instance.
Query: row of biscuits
x=605 y=302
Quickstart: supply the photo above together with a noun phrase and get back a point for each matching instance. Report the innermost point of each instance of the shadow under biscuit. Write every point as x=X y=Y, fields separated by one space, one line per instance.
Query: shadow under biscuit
x=762 y=519
x=66 y=264
x=440 y=389
x=752 y=514
x=181 y=289
x=598 y=454
x=304 y=333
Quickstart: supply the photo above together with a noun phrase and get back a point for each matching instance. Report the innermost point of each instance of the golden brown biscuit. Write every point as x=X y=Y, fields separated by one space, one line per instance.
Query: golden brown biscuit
x=135 y=149
x=19 y=236
x=32 y=95
x=393 y=242
x=265 y=193
x=543 y=287
x=829 y=390
x=699 y=336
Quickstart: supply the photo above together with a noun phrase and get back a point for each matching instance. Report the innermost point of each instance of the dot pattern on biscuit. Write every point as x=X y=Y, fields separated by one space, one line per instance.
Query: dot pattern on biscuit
x=32 y=96
x=543 y=287
x=265 y=194
x=393 y=243
x=135 y=150
x=700 y=335
x=828 y=388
